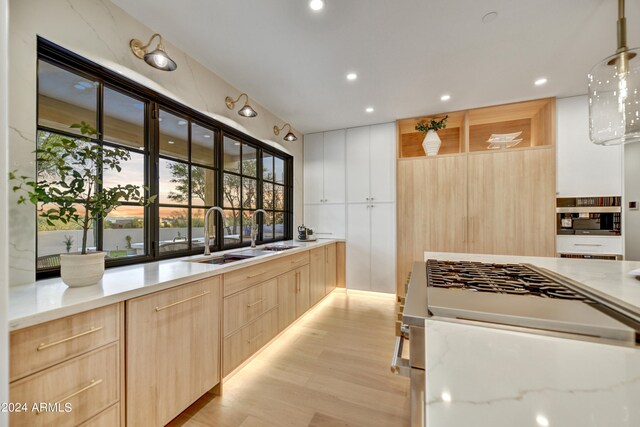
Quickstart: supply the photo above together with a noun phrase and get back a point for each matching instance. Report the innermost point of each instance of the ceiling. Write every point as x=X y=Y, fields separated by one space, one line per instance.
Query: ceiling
x=407 y=53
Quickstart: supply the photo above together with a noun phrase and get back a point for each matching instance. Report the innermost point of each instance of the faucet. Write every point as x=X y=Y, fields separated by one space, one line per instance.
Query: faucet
x=207 y=250
x=254 y=229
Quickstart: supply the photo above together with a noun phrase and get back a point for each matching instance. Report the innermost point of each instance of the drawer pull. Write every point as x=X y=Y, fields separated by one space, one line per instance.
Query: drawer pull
x=44 y=346
x=183 y=301
x=251 y=276
x=254 y=303
x=587 y=244
x=254 y=338
x=92 y=384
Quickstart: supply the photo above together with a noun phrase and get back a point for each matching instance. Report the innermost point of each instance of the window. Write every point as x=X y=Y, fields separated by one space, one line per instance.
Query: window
x=190 y=161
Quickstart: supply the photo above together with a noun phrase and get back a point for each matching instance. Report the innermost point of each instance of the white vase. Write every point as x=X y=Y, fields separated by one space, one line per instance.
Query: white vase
x=79 y=270
x=431 y=143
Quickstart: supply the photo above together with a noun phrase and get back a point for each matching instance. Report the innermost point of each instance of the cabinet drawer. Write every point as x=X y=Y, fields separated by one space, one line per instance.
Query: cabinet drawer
x=106 y=418
x=245 y=306
x=89 y=383
x=251 y=338
x=244 y=278
x=589 y=245
x=41 y=346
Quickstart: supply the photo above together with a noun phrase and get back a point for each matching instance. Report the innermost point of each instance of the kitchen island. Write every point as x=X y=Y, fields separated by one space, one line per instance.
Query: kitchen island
x=483 y=376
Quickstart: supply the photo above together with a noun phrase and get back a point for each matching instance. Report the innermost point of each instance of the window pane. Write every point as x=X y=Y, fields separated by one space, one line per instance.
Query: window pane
x=202 y=140
x=65 y=98
x=174 y=182
x=267 y=196
x=123 y=119
x=279 y=168
x=231 y=155
x=279 y=197
x=203 y=186
x=174 y=136
x=249 y=193
x=279 y=226
x=47 y=170
x=232 y=228
x=249 y=161
x=246 y=226
x=231 y=191
x=132 y=172
x=267 y=167
x=174 y=232
x=59 y=238
x=123 y=234
x=197 y=228
x=267 y=226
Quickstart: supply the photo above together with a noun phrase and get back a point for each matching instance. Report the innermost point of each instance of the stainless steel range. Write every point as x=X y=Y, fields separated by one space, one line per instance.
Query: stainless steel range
x=514 y=296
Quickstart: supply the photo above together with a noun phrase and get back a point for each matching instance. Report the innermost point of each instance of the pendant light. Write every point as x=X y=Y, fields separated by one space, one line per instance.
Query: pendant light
x=614 y=93
x=289 y=136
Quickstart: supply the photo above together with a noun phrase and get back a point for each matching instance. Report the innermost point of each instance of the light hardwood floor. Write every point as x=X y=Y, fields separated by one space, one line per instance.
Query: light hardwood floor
x=331 y=368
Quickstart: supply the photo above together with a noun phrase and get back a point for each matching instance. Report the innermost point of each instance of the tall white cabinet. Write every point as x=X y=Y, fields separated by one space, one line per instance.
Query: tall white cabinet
x=324 y=183
x=350 y=182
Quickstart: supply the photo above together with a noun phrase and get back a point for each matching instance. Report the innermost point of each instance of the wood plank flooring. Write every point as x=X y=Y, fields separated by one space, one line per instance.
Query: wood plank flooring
x=331 y=368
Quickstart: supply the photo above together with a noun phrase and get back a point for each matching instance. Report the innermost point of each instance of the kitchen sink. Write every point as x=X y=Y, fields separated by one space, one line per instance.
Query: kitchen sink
x=224 y=259
x=277 y=248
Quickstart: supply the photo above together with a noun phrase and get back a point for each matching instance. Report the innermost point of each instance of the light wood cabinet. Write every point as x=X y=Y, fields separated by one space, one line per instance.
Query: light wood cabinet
x=108 y=418
x=75 y=360
x=511 y=203
x=317 y=274
x=331 y=273
x=293 y=296
x=245 y=306
x=173 y=350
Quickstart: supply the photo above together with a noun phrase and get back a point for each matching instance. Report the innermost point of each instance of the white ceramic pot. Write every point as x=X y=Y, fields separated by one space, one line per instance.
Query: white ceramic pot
x=79 y=270
x=431 y=143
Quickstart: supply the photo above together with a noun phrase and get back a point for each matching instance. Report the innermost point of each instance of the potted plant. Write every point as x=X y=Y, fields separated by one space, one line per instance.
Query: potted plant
x=67 y=189
x=431 y=142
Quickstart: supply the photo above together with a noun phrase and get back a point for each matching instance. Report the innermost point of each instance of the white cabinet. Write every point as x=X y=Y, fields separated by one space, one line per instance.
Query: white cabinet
x=324 y=167
x=371 y=247
x=583 y=168
x=327 y=220
x=371 y=163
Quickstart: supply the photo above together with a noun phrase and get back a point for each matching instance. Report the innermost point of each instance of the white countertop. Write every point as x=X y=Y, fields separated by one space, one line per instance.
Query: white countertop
x=481 y=376
x=51 y=299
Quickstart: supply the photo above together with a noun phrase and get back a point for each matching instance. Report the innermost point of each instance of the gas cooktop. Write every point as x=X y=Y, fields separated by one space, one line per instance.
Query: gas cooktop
x=513 y=279
x=520 y=295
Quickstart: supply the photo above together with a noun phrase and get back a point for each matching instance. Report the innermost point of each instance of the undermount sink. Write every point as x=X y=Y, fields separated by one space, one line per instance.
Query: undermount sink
x=224 y=259
x=278 y=248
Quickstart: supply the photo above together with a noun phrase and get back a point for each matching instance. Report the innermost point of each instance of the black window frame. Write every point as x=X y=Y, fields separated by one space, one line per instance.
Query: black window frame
x=154 y=101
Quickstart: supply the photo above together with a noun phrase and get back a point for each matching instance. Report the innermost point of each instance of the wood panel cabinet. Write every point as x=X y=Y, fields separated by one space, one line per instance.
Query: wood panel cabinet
x=511 y=203
x=317 y=274
x=293 y=296
x=331 y=267
x=173 y=350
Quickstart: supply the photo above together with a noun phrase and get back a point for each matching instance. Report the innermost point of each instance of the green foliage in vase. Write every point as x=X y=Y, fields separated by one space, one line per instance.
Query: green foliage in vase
x=67 y=188
x=435 y=125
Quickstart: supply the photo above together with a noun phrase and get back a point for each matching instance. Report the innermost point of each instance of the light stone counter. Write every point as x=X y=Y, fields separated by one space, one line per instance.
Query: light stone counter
x=51 y=299
x=480 y=376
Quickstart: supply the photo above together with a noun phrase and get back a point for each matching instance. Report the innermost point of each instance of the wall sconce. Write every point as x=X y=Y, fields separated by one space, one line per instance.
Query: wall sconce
x=289 y=136
x=157 y=58
x=245 y=111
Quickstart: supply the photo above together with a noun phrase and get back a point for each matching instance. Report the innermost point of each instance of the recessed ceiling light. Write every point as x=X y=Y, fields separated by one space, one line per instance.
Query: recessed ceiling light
x=170 y=142
x=316 y=5
x=369 y=110
x=542 y=421
x=445 y=97
x=489 y=17
x=540 y=82
x=352 y=76
x=182 y=122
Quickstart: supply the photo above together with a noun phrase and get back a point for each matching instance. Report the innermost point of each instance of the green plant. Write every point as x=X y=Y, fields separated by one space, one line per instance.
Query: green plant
x=68 y=242
x=67 y=188
x=435 y=125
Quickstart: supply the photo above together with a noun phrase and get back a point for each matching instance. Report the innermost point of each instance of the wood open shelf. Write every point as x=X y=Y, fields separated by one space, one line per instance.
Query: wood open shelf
x=468 y=131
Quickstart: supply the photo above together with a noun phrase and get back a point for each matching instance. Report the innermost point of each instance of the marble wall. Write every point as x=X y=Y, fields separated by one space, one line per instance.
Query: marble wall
x=100 y=31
